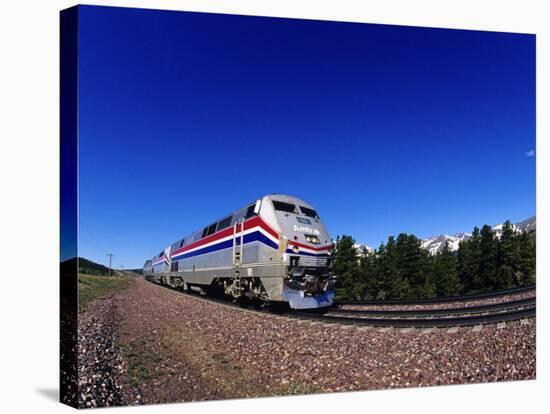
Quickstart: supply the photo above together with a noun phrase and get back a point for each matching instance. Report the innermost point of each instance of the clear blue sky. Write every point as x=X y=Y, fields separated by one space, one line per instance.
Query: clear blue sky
x=184 y=117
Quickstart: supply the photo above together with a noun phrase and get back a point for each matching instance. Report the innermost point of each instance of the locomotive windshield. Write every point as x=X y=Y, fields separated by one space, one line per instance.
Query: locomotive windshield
x=309 y=212
x=286 y=207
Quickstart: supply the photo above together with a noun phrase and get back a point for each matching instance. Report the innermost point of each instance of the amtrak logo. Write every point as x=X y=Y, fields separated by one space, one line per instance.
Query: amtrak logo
x=306 y=229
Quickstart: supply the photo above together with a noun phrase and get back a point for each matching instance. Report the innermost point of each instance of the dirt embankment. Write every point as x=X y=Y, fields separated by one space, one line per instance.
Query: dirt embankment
x=172 y=347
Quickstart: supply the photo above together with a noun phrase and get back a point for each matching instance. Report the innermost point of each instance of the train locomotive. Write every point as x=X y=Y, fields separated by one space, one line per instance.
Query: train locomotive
x=274 y=250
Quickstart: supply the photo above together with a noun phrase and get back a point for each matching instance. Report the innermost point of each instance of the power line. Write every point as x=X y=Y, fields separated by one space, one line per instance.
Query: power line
x=110 y=256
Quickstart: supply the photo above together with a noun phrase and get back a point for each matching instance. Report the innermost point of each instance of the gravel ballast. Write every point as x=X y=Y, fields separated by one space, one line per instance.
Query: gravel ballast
x=98 y=358
x=164 y=346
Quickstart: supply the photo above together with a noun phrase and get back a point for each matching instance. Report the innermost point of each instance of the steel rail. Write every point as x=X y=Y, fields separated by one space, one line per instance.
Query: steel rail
x=439 y=300
x=437 y=312
x=421 y=323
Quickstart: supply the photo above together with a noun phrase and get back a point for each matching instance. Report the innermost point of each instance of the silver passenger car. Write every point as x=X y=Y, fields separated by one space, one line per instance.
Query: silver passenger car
x=275 y=249
x=148 y=270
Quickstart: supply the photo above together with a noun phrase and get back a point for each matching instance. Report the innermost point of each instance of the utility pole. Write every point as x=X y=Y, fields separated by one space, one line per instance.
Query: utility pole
x=110 y=256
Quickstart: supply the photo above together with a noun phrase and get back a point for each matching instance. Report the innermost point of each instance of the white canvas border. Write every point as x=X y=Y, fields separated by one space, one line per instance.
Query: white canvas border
x=29 y=210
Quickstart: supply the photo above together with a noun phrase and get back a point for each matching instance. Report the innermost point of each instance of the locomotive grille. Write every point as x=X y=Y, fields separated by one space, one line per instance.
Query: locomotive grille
x=314 y=261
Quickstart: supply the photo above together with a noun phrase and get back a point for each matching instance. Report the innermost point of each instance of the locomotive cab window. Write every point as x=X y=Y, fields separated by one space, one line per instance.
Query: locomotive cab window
x=226 y=222
x=250 y=211
x=211 y=229
x=309 y=212
x=282 y=206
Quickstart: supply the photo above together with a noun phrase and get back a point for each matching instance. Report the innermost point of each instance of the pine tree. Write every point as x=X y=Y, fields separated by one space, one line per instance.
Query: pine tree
x=445 y=273
x=464 y=259
x=527 y=260
x=388 y=269
x=401 y=289
x=505 y=277
x=376 y=274
x=487 y=259
x=430 y=290
x=474 y=258
x=506 y=245
x=369 y=270
x=411 y=263
x=347 y=269
x=401 y=269
x=507 y=256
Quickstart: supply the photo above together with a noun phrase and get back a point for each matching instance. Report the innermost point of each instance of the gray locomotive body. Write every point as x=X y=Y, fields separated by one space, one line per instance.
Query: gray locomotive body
x=275 y=249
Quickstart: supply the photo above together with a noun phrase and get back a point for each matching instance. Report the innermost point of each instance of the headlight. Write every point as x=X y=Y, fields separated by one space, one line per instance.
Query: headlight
x=295 y=249
x=312 y=239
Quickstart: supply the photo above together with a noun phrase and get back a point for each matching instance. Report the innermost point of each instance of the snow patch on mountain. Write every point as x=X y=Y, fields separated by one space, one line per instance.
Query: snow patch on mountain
x=528 y=225
x=362 y=248
x=435 y=244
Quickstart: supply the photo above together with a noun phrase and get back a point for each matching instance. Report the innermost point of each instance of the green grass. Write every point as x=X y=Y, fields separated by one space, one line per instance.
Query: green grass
x=91 y=268
x=92 y=287
x=290 y=388
x=138 y=373
x=142 y=364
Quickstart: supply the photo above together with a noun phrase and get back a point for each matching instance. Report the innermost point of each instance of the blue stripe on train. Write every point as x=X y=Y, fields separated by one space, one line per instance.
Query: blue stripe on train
x=248 y=238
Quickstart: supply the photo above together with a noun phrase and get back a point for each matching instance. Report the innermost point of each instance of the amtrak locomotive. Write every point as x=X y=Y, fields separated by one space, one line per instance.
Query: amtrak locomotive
x=275 y=249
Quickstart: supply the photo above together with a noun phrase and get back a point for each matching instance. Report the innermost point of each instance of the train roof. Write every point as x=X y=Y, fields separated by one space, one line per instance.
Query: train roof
x=287 y=198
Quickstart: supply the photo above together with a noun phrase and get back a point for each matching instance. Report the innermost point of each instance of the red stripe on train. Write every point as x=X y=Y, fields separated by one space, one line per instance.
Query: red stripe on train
x=319 y=249
x=250 y=223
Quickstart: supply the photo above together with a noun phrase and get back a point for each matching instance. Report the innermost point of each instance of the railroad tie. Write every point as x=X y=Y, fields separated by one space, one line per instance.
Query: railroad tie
x=386 y=329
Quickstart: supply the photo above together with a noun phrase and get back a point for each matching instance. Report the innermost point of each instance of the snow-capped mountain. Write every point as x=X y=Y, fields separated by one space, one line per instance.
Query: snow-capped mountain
x=435 y=244
x=527 y=225
x=361 y=248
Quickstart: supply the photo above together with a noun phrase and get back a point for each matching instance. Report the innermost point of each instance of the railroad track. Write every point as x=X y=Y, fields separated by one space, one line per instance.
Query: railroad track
x=428 y=313
x=486 y=314
x=466 y=298
x=436 y=322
